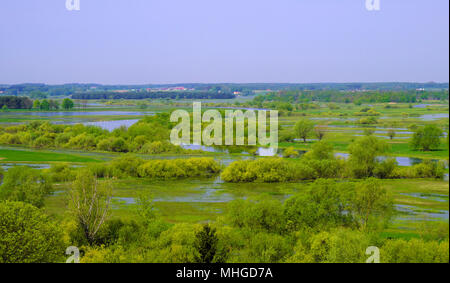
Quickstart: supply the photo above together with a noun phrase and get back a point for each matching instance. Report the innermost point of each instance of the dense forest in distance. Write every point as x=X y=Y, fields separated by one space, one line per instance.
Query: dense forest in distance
x=14 y=102
x=154 y=95
x=44 y=90
x=357 y=98
x=282 y=99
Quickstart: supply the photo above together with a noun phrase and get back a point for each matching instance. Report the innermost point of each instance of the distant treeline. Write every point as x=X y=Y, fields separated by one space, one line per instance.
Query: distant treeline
x=41 y=91
x=14 y=102
x=352 y=97
x=153 y=95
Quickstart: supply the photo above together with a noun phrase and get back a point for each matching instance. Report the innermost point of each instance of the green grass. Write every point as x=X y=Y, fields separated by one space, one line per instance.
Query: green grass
x=401 y=187
x=341 y=142
x=183 y=200
x=40 y=156
x=168 y=192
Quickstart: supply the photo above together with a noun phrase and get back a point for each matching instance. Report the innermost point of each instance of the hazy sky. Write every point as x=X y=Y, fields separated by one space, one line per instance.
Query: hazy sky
x=175 y=41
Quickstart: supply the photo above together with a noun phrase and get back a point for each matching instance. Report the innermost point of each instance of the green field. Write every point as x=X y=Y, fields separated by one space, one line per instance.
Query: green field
x=16 y=155
x=419 y=203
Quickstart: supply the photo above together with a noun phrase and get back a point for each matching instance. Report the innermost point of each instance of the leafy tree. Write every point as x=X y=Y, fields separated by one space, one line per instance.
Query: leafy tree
x=286 y=136
x=371 y=205
x=175 y=245
x=260 y=214
x=363 y=155
x=36 y=104
x=27 y=235
x=303 y=129
x=322 y=206
x=320 y=132
x=415 y=251
x=368 y=120
x=385 y=169
x=45 y=105
x=290 y=152
x=67 y=104
x=320 y=151
x=368 y=132
x=90 y=203
x=53 y=104
x=427 y=138
x=263 y=247
x=15 y=102
x=206 y=244
x=145 y=208
x=21 y=183
x=336 y=246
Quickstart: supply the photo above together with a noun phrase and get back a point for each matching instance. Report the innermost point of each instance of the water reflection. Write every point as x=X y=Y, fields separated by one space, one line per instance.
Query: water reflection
x=6 y=166
x=421 y=105
x=205 y=195
x=266 y=151
x=432 y=117
x=415 y=213
x=427 y=196
x=203 y=148
x=402 y=161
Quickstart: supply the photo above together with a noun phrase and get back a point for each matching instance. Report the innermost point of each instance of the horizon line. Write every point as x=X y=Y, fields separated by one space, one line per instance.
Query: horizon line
x=212 y=83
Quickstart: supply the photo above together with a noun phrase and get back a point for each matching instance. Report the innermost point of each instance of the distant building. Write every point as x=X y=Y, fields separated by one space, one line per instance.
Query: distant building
x=178 y=88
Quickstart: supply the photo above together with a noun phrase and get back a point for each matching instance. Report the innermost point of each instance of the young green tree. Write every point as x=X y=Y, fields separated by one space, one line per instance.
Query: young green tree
x=321 y=206
x=27 y=235
x=368 y=132
x=45 y=105
x=363 y=155
x=427 y=138
x=320 y=132
x=371 y=205
x=67 y=104
x=206 y=244
x=145 y=208
x=36 y=104
x=290 y=152
x=303 y=128
x=53 y=105
x=90 y=203
x=321 y=150
x=21 y=183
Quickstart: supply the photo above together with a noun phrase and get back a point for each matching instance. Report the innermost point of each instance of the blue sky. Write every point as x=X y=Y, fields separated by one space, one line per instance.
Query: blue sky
x=176 y=41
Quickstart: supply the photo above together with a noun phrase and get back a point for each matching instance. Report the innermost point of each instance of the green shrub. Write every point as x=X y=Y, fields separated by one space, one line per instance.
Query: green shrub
x=27 y=235
x=21 y=183
x=385 y=168
x=414 y=251
x=260 y=214
x=178 y=168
